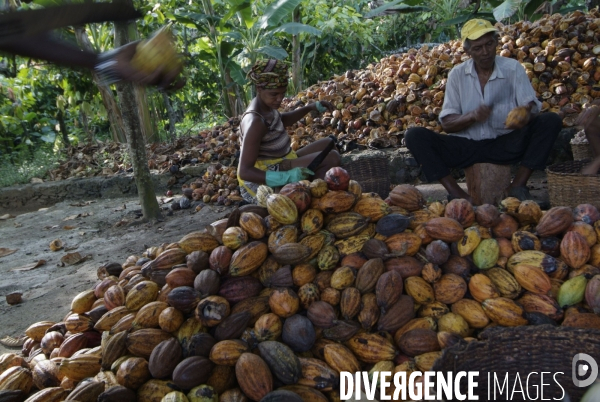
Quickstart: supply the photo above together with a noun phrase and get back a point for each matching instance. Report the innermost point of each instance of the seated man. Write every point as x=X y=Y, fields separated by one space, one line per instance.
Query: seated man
x=479 y=95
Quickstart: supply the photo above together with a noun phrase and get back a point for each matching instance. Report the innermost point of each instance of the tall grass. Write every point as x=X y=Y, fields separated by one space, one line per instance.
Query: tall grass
x=21 y=168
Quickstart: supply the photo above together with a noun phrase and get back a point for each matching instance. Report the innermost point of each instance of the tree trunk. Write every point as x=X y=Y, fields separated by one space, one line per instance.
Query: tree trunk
x=171 y=114
x=231 y=96
x=234 y=96
x=157 y=115
x=108 y=98
x=228 y=95
x=135 y=138
x=296 y=62
x=148 y=126
x=63 y=127
x=240 y=99
x=84 y=123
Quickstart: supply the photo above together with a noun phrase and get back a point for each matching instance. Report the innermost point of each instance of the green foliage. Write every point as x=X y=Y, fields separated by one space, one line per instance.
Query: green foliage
x=348 y=41
x=22 y=167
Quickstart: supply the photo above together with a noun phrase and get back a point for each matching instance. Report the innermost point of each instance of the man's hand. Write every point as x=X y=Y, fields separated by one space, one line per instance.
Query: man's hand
x=588 y=115
x=482 y=113
x=457 y=122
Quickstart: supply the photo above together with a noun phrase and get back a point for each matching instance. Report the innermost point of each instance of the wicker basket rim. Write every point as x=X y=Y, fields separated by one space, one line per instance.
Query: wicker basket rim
x=551 y=169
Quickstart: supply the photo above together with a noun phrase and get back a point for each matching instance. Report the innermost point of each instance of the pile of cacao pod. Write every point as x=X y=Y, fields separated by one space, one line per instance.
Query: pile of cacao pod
x=218 y=185
x=276 y=300
x=217 y=147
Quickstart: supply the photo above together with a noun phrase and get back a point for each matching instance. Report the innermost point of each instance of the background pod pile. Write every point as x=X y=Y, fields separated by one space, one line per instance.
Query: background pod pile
x=278 y=300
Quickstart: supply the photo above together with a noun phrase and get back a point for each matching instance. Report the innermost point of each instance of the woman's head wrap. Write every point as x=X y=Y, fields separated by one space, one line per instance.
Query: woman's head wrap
x=269 y=74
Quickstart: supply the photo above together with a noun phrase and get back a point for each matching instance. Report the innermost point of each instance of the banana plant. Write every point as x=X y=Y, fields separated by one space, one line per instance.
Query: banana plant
x=398 y=6
x=439 y=14
x=258 y=39
x=239 y=36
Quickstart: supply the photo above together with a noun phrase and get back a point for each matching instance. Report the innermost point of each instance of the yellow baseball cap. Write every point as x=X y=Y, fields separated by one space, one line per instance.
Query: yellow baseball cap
x=474 y=29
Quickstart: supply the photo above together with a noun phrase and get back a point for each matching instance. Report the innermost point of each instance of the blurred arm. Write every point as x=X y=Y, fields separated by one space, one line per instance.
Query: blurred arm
x=44 y=47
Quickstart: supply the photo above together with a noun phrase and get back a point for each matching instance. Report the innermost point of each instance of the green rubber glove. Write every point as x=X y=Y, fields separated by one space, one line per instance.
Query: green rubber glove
x=298 y=174
x=277 y=179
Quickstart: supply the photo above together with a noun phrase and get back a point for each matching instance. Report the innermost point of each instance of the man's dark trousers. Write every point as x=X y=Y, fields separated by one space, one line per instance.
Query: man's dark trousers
x=530 y=145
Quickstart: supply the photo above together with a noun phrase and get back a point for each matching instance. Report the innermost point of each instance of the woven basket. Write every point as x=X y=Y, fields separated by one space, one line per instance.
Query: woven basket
x=581 y=151
x=372 y=173
x=567 y=187
x=523 y=350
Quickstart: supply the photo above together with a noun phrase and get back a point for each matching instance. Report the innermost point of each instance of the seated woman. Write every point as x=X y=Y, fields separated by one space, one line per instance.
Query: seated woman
x=591 y=123
x=266 y=155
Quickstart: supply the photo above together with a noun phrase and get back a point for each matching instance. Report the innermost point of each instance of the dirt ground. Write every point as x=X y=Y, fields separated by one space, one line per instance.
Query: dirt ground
x=106 y=230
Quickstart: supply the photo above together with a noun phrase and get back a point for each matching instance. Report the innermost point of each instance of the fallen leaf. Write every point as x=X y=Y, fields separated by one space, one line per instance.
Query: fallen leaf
x=56 y=244
x=6 y=251
x=6 y=216
x=71 y=248
x=36 y=180
x=73 y=258
x=31 y=266
x=71 y=217
x=70 y=227
x=82 y=233
x=51 y=227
